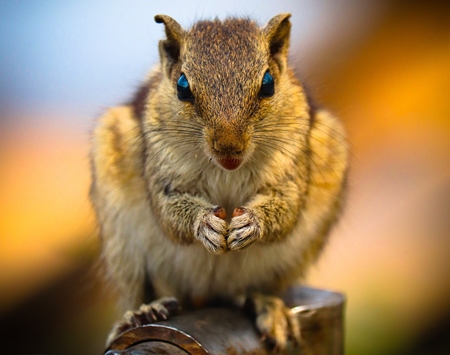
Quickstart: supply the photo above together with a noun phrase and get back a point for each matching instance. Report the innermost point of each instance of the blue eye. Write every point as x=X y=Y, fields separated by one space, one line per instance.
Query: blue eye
x=267 y=86
x=183 y=89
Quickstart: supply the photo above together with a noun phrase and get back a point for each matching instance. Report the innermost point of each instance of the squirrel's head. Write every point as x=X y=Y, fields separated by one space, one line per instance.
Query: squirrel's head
x=227 y=76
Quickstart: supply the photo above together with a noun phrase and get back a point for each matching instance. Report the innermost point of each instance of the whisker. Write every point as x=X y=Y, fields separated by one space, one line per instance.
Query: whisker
x=268 y=154
x=305 y=149
x=174 y=146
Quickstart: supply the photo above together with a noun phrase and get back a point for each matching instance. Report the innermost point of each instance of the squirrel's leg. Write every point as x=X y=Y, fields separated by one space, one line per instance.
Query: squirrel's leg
x=158 y=310
x=186 y=219
x=269 y=216
x=275 y=322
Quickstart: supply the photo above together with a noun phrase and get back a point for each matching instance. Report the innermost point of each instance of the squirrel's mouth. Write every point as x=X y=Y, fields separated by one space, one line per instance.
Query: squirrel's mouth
x=230 y=163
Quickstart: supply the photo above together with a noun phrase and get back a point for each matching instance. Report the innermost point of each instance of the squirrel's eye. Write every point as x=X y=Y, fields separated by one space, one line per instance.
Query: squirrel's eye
x=183 y=89
x=267 y=86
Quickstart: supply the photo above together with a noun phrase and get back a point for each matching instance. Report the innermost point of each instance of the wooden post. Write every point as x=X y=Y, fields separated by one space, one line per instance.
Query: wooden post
x=217 y=331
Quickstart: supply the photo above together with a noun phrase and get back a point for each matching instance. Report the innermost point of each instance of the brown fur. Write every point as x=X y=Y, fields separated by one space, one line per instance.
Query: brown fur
x=158 y=176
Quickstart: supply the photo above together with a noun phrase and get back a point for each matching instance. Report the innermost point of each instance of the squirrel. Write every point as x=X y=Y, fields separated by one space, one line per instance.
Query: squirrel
x=218 y=180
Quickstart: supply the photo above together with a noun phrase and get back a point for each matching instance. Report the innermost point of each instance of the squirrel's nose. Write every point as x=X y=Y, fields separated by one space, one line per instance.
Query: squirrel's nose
x=226 y=147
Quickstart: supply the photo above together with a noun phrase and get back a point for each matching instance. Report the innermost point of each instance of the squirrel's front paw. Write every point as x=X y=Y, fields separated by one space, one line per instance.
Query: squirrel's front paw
x=211 y=229
x=245 y=229
x=161 y=309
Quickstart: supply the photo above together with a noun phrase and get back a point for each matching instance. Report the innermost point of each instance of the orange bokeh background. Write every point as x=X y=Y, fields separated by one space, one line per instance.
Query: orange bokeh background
x=390 y=254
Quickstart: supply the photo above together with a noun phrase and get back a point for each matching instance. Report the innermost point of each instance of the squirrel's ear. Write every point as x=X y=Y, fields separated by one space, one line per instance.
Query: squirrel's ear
x=169 y=49
x=277 y=32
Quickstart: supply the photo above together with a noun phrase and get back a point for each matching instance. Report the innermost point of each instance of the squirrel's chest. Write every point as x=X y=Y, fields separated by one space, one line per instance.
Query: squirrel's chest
x=229 y=189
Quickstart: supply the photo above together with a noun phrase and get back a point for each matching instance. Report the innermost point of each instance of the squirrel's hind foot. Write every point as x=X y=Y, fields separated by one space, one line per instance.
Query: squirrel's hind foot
x=278 y=326
x=158 y=310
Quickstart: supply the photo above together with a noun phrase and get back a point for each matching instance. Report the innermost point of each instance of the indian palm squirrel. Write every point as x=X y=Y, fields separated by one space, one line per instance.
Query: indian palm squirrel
x=218 y=180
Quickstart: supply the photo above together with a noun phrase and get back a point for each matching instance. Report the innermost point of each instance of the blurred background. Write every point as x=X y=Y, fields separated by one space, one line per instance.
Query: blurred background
x=382 y=66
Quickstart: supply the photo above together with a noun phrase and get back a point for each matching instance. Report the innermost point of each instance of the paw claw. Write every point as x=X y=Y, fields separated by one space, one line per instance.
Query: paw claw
x=155 y=311
x=245 y=229
x=211 y=230
x=276 y=323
